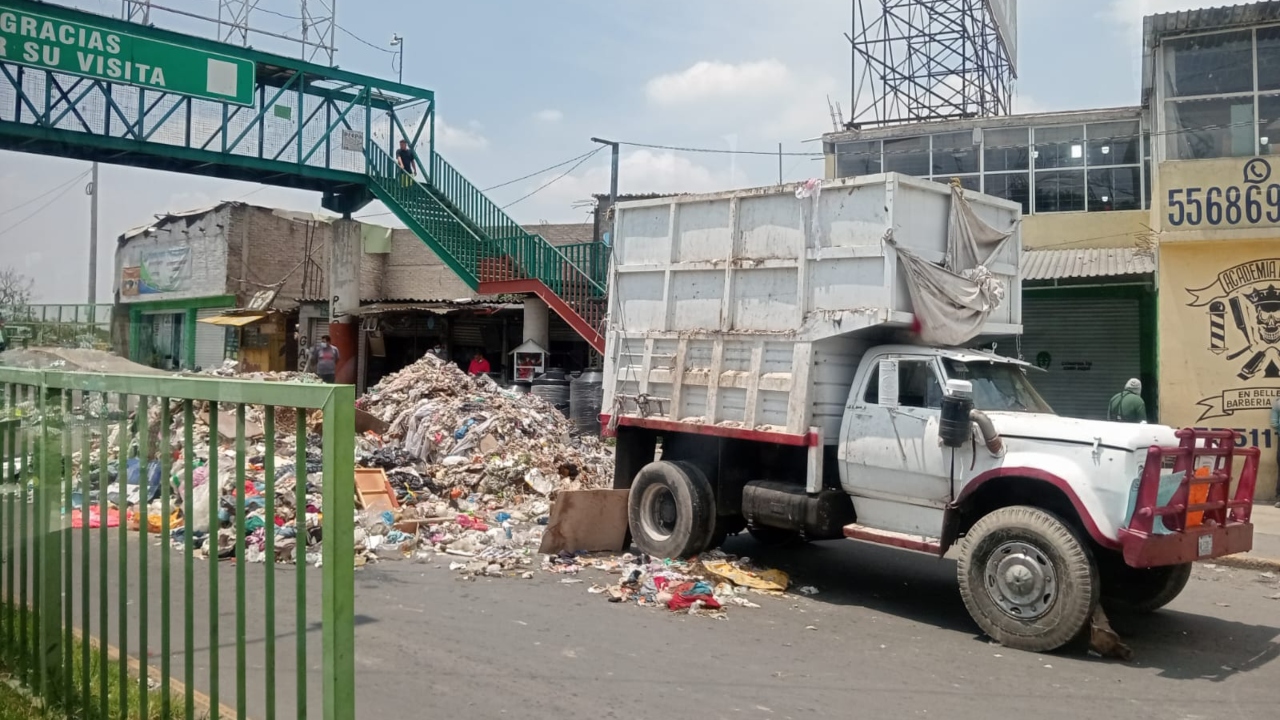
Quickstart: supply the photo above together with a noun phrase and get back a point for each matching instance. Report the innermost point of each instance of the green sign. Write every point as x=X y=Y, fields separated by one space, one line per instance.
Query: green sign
x=42 y=41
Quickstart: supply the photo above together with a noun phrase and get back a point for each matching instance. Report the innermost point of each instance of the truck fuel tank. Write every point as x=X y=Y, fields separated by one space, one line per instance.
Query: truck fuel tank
x=787 y=506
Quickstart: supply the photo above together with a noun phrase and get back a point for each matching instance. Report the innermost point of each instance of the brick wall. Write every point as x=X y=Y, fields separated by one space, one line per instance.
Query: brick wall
x=278 y=244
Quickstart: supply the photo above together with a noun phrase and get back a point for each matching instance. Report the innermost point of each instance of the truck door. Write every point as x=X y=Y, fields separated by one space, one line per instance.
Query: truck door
x=890 y=457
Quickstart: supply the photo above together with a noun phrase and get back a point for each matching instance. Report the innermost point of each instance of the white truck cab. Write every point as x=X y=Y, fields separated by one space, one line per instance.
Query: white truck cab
x=758 y=336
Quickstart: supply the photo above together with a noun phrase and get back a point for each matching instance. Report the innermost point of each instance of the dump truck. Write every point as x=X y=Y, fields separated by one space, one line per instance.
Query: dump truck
x=816 y=362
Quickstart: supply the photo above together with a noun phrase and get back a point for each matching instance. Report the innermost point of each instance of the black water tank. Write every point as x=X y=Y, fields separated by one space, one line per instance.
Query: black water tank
x=955 y=428
x=553 y=387
x=586 y=394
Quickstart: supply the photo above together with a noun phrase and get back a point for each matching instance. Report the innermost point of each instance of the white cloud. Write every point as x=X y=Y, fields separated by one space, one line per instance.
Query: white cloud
x=712 y=80
x=549 y=115
x=449 y=137
x=1027 y=105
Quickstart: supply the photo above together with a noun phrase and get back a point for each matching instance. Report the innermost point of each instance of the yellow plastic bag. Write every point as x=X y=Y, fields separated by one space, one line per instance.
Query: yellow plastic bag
x=768 y=580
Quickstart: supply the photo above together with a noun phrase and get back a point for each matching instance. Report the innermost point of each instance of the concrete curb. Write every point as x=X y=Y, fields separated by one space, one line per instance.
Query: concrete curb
x=1247 y=562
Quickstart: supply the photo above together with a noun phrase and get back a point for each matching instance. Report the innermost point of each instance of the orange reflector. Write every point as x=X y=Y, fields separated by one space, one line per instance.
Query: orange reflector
x=1197 y=495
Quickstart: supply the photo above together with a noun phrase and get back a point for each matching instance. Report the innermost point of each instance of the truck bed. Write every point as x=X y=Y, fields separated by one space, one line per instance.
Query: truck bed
x=750 y=309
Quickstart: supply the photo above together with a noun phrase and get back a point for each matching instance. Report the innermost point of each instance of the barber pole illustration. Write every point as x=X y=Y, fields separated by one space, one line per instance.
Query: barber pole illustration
x=1217 y=327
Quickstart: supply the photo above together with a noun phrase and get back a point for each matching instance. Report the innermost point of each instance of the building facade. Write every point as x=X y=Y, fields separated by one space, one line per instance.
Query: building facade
x=1151 y=232
x=181 y=279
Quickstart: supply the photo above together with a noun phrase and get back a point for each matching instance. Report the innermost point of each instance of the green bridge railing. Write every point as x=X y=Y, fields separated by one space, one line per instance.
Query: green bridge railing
x=80 y=604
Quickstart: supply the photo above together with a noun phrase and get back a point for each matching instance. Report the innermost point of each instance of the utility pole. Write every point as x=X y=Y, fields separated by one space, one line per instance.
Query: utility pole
x=92 y=192
x=613 y=171
x=397 y=42
x=779 y=163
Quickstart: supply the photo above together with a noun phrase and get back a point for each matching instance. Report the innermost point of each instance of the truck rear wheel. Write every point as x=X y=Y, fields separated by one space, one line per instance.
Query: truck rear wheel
x=1026 y=578
x=671 y=510
x=1141 y=590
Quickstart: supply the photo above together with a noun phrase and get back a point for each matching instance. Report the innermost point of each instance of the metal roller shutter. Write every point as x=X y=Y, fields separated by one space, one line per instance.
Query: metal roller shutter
x=211 y=340
x=1093 y=347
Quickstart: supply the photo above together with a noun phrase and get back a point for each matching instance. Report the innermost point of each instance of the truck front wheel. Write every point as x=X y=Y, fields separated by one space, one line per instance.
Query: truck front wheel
x=1026 y=578
x=1141 y=590
x=671 y=510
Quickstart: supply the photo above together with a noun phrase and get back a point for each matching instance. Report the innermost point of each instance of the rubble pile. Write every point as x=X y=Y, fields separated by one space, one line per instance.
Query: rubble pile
x=473 y=467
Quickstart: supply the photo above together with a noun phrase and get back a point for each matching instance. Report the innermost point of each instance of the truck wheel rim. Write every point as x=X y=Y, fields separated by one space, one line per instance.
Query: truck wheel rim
x=658 y=512
x=1020 y=580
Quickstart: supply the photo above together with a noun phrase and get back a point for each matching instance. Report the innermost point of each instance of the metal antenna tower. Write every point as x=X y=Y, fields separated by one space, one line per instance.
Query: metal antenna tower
x=915 y=60
x=310 y=26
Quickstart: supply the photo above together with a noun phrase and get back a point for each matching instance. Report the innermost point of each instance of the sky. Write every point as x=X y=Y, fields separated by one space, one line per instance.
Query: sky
x=524 y=85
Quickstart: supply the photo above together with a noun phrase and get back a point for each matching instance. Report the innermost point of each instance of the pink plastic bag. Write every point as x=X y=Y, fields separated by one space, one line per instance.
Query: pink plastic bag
x=113 y=518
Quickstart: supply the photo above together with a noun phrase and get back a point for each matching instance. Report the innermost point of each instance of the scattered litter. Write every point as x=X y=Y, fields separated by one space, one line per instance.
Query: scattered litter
x=807 y=590
x=769 y=580
x=810 y=627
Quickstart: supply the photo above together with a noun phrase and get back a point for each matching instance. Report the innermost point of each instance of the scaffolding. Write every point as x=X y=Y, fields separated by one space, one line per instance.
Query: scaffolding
x=310 y=26
x=920 y=60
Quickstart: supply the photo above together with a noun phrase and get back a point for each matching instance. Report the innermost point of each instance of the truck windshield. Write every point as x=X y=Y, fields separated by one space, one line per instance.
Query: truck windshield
x=998 y=386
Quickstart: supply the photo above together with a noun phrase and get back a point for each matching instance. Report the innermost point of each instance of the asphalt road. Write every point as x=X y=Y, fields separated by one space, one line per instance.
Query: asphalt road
x=887 y=637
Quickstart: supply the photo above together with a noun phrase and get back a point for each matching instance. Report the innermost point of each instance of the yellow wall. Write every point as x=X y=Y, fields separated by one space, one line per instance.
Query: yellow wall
x=1068 y=231
x=1228 y=382
x=1245 y=190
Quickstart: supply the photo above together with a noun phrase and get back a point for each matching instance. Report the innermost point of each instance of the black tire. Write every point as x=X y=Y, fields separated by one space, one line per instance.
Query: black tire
x=671 y=510
x=1029 y=549
x=1141 y=590
x=775 y=537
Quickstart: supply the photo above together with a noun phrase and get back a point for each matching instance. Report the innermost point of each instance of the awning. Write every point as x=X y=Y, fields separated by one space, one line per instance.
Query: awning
x=234 y=320
x=1086 y=263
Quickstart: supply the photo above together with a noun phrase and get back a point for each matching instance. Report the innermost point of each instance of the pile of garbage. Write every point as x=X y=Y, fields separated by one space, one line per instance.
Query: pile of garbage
x=706 y=585
x=473 y=467
x=459 y=467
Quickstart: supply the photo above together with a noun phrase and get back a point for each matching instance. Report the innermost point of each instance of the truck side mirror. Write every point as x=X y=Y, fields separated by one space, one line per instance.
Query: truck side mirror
x=955 y=428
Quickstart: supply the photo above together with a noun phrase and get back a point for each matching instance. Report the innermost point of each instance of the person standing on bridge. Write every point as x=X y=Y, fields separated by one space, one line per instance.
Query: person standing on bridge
x=407 y=162
x=324 y=360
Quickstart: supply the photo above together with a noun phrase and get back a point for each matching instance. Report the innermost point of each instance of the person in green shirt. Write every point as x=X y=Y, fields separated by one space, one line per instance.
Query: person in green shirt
x=1127 y=405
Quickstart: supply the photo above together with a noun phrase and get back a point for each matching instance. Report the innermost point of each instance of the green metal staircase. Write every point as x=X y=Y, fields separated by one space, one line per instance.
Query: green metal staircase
x=489 y=250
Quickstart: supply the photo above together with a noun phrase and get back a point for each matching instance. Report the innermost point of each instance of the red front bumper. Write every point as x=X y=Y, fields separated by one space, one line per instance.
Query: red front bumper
x=1202 y=520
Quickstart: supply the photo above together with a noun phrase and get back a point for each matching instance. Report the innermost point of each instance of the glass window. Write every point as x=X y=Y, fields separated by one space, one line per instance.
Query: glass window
x=1212 y=128
x=955 y=154
x=1010 y=186
x=1114 y=143
x=857 y=158
x=1269 y=58
x=1006 y=149
x=1209 y=64
x=918 y=385
x=909 y=156
x=1059 y=191
x=1115 y=189
x=1269 y=124
x=1058 y=147
x=998 y=386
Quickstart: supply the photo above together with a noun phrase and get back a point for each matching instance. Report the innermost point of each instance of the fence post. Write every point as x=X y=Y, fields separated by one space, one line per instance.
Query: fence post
x=338 y=551
x=48 y=542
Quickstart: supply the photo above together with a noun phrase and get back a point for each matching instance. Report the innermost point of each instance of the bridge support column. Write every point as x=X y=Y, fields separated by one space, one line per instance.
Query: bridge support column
x=537 y=322
x=344 y=296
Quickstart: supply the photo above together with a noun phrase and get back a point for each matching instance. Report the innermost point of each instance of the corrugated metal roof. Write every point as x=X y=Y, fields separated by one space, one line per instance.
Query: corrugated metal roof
x=1213 y=18
x=1085 y=263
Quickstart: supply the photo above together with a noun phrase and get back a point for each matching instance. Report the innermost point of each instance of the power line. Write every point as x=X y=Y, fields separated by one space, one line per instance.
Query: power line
x=556 y=179
x=366 y=42
x=769 y=153
x=543 y=170
x=56 y=188
x=40 y=209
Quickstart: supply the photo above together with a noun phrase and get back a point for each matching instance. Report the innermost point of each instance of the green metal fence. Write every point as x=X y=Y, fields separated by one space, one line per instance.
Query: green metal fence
x=78 y=604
